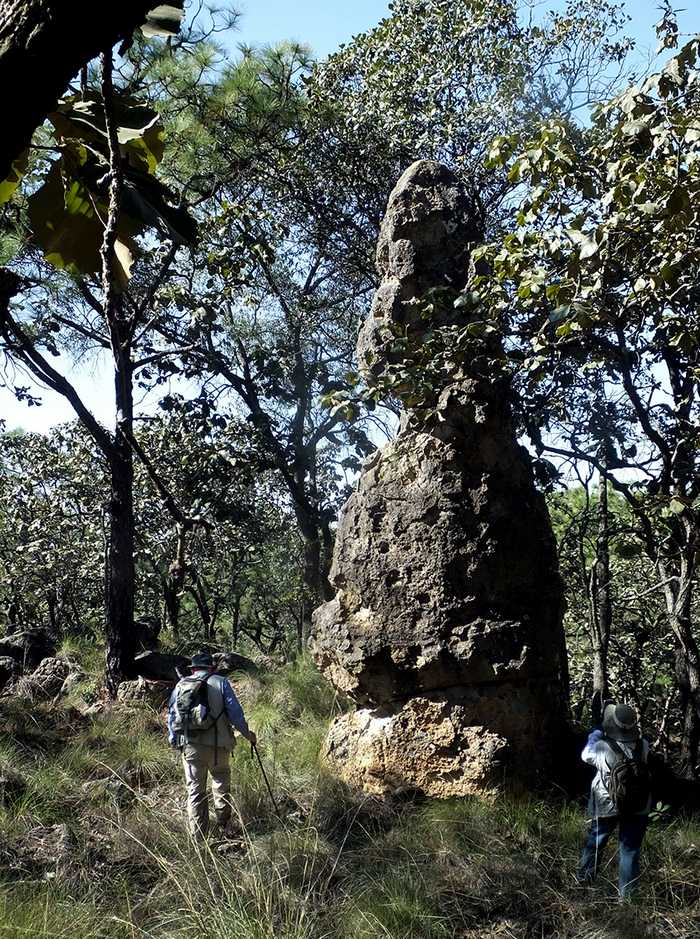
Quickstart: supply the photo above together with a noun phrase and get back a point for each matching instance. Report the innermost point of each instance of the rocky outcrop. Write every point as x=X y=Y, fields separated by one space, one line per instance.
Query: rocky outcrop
x=229 y=662
x=48 y=680
x=48 y=677
x=167 y=666
x=140 y=692
x=445 y=627
x=161 y=666
x=28 y=647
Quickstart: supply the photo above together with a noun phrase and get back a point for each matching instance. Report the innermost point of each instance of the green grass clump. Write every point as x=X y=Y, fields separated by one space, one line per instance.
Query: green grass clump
x=84 y=654
x=45 y=912
x=399 y=901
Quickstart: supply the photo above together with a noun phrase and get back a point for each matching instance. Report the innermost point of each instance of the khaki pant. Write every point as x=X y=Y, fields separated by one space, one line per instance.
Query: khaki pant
x=198 y=760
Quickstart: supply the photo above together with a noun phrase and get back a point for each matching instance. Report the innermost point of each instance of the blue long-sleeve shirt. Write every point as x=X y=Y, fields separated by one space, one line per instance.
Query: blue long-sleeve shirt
x=234 y=711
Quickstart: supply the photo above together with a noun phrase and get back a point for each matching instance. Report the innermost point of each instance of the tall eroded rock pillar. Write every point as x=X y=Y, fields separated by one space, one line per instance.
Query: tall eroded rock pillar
x=445 y=628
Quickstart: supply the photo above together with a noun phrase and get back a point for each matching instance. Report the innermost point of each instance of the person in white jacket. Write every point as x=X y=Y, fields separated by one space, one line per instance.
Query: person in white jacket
x=619 y=739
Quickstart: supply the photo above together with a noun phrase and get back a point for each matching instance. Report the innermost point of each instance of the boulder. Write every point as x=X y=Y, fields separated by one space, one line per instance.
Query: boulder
x=141 y=692
x=53 y=849
x=148 y=629
x=228 y=662
x=247 y=689
x=28 y=647
x=161 y=666
x=445 y=627
x=48 y=677
x=73 y=680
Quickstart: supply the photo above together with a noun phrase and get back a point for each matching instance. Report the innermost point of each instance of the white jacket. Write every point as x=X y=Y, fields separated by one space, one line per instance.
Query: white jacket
x=600 y=754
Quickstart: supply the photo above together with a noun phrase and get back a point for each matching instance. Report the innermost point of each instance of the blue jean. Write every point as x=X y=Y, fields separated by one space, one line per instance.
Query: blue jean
x=631 y=835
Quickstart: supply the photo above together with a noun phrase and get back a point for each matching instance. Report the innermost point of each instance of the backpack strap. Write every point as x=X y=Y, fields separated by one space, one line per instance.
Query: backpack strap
x=637 y=751
x=223 y=706
x=615 y=747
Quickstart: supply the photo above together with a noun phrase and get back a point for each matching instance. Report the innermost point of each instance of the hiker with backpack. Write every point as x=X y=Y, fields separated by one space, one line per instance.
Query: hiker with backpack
x=620 y=794
x=202 y=714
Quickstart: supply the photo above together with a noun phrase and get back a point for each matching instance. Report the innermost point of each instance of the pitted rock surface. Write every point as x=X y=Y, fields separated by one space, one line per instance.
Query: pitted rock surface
x=447 y=612
x=141 y=692
x=46 y=680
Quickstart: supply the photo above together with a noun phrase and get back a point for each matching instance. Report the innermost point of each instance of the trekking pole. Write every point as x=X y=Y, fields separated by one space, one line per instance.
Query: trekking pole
x=254 y=750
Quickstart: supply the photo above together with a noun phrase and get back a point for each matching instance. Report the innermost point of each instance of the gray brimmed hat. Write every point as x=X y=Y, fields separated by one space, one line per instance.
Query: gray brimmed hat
x=620 y=723
x=202 y=660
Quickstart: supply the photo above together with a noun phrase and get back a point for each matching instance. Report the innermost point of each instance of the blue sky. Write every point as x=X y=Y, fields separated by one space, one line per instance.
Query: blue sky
x=323 y=26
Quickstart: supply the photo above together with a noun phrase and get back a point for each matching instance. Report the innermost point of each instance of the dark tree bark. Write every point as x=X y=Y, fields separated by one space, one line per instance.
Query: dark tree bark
x=175 y=581
x=678 y=584
x=235 y=621
x=122 y=640
x=120 y=627
x=601 y=614
x=43 y=45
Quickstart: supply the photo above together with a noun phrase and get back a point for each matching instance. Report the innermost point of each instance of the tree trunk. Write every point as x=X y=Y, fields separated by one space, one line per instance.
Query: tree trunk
x=171 y=602
x=602 y=605
x=122 y=642
x=174 y=582
x=678 y=595
x=311 y=575
x=688 y=677
x=198 y=593
x=235 y=621
x=43 y=44
x=121 y=573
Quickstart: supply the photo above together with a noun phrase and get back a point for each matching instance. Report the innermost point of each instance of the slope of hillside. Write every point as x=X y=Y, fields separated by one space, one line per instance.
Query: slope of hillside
x=93 y=842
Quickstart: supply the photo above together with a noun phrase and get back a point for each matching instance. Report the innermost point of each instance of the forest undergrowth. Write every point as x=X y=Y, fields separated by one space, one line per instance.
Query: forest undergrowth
x=93 y=843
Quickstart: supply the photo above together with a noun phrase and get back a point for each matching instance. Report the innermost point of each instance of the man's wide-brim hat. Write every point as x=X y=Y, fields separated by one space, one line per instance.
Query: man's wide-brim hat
x=620 y=722
x=202 y=660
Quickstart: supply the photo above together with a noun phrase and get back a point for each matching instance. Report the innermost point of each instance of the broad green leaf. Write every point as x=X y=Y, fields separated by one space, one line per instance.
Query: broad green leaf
x=139 y=128
x=145 y=152
x=70 y=241
x=13 y=179
x=77 y=199
x=147 y=200
x=588 y=249
x=67 y=224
